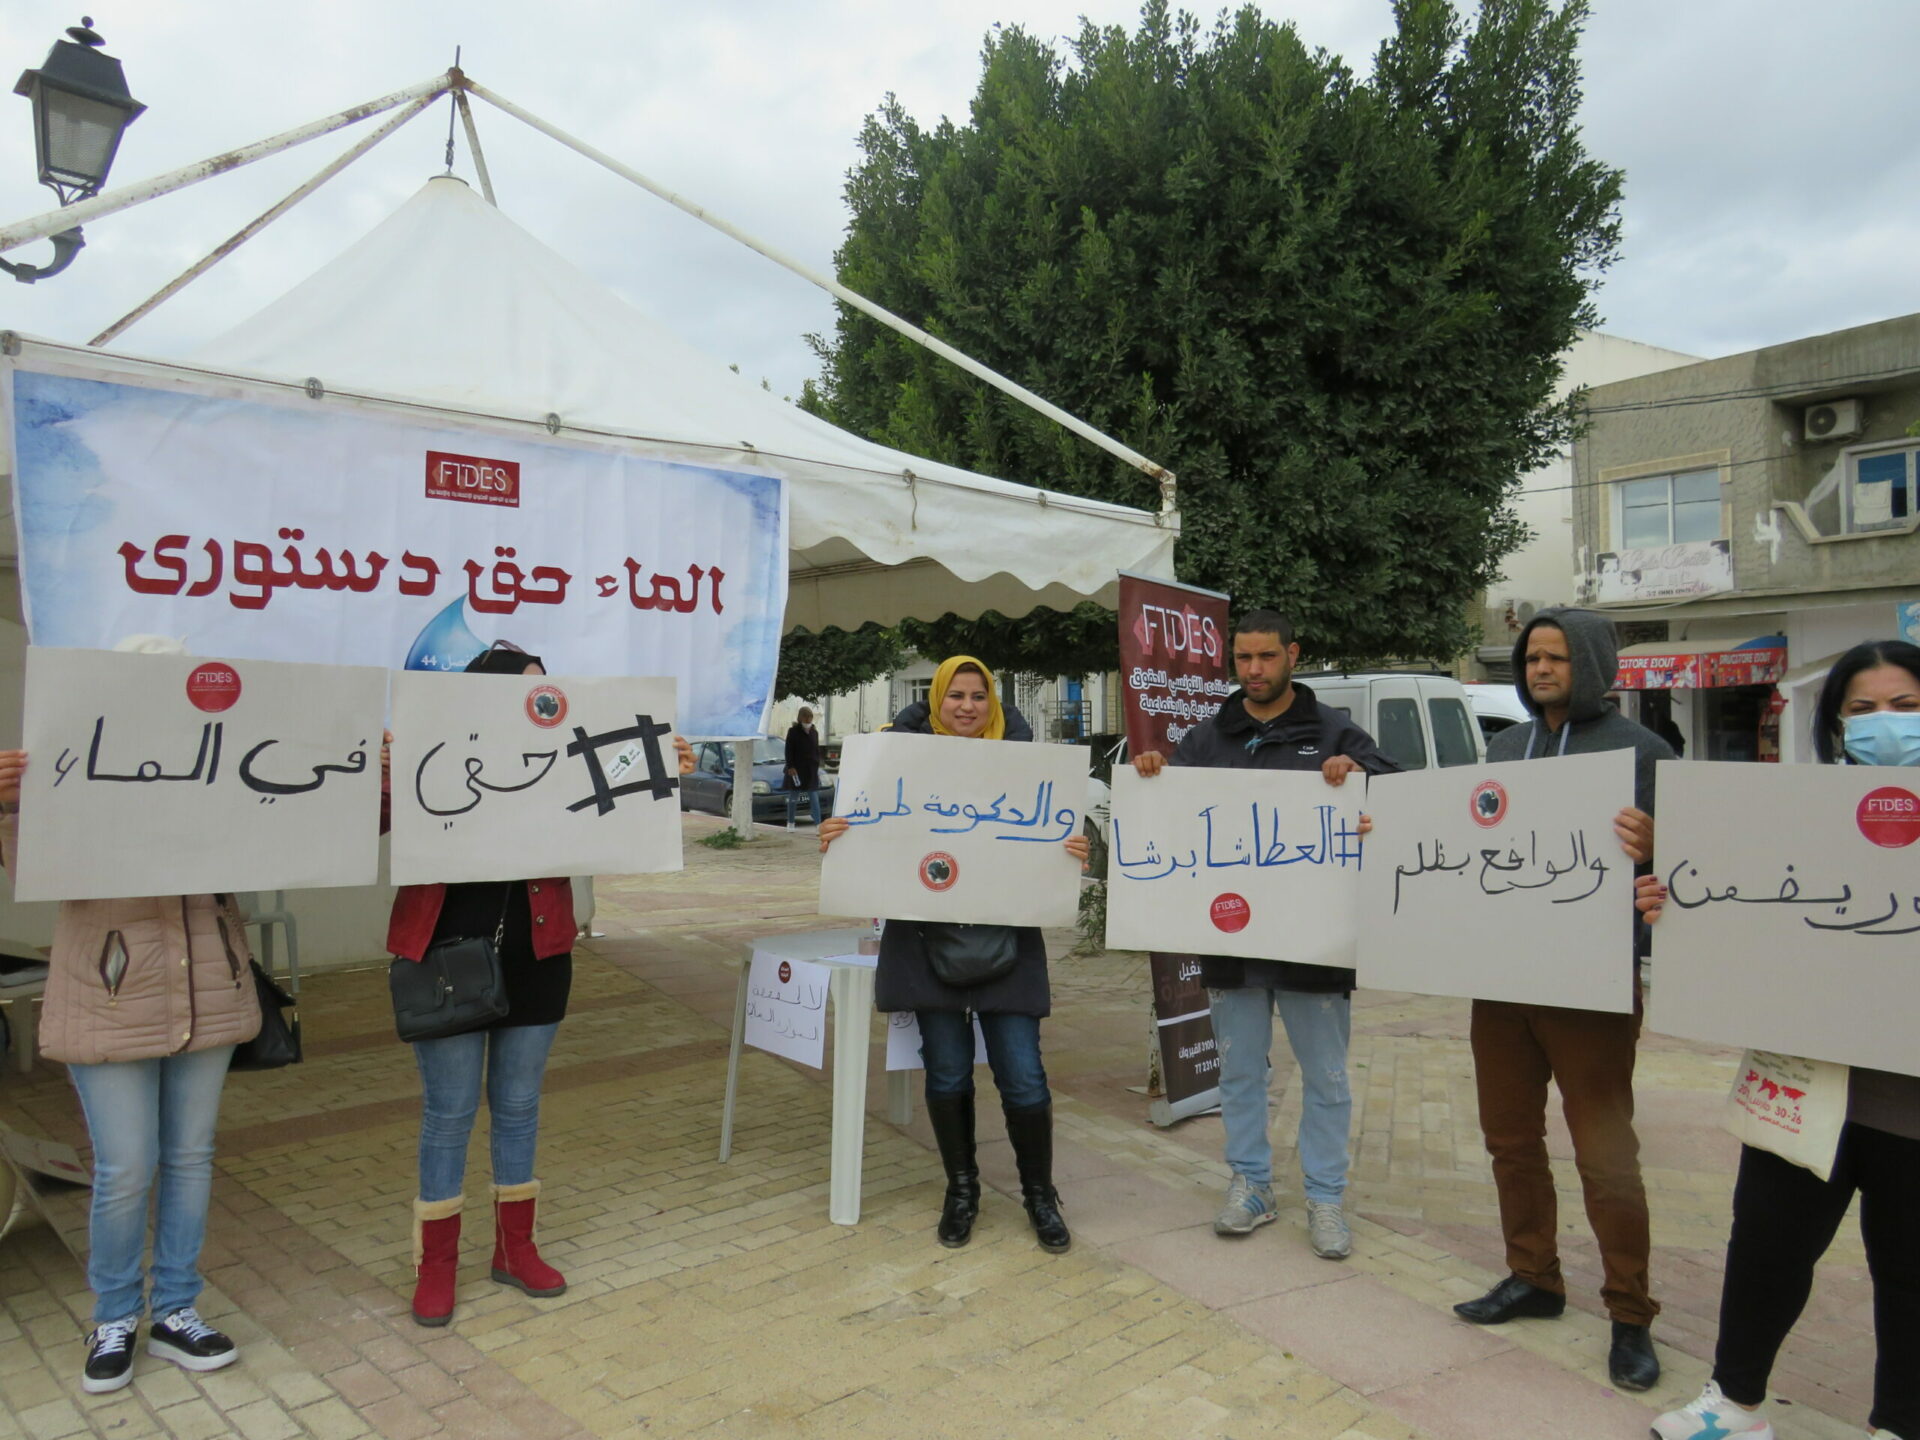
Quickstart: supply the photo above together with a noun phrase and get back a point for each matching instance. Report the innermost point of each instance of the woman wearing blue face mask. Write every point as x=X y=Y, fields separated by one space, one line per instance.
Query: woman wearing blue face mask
x=1784 y=1217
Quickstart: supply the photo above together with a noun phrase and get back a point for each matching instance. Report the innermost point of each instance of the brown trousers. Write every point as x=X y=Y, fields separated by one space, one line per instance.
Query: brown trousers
x=1590 y=1054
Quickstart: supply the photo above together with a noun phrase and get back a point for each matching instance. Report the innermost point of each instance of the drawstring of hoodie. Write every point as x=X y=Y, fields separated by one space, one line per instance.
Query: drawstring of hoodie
x=1566 y=734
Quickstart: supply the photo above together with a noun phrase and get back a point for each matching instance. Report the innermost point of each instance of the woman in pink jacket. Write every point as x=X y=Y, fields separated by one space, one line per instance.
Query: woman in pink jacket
x=145 y=1001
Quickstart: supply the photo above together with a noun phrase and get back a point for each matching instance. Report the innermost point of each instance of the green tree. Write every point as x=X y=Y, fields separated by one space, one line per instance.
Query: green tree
x=814 y=666
x=1334 y=306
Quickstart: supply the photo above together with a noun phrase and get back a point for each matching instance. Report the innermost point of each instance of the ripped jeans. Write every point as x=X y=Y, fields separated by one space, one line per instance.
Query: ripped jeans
x=1317 y=1029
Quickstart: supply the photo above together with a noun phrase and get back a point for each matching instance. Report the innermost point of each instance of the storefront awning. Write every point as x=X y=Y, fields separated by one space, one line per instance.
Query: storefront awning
x=1702 y=664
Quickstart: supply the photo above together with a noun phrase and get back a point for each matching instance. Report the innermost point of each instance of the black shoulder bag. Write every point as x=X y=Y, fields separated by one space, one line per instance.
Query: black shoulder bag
x=455 y=987
x=964 y=956
x=278 y=1043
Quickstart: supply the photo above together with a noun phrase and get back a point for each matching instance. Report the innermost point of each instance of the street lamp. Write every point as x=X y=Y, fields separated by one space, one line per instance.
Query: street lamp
x=81 y=108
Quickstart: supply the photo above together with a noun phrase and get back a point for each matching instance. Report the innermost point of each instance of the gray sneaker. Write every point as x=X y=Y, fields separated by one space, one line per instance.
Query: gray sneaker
x=1248 y=1206
x=1327 y=1230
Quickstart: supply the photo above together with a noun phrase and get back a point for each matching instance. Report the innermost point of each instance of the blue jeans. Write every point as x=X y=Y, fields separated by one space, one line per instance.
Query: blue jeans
x=1317 y=1028
x=514 y=1061
x=813 y=799
x=148 y=1117
x=1013 y=1050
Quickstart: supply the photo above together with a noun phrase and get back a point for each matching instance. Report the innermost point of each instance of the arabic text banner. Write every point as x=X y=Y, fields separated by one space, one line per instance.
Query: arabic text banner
x=503 y=777
x=336 y=533
x=1261 y=863
x=968 y=831
x=165 y=775
x=1502 y=882
x=1793 y=914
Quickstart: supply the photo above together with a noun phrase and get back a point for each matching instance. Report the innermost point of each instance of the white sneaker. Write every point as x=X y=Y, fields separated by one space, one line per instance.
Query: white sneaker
x=1247 y=1207
x=1712 y=1417
x=1327 y=1230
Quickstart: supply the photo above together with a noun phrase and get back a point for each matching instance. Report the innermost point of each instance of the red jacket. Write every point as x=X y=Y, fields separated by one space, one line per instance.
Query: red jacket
x=416 y=910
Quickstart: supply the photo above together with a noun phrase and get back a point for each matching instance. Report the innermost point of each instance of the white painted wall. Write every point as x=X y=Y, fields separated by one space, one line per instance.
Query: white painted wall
x=1541 y=571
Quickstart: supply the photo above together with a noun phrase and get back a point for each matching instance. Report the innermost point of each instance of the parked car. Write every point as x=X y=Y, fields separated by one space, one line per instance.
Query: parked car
x=710 y=786
x=1495 y=707
x=1418 y=719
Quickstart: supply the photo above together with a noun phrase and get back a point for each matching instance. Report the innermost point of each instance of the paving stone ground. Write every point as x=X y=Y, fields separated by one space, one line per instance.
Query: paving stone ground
x=717 y=1300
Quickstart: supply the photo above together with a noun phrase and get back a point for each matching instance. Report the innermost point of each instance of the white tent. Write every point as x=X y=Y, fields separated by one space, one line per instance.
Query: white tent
x=449 y=302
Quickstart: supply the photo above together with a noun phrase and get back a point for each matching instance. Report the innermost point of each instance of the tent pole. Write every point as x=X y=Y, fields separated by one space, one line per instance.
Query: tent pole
x=247 y=232
x=859 y=302
x=22 y=232
x=473 y=146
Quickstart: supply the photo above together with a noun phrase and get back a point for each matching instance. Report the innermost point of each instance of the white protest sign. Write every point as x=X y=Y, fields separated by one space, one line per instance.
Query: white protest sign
x=787 y=1007
x=968 y=831
x=168 y=775
x=499 y=777
x=1792 y=920
x=1261 y=863
x=1502 y=882
x=903 y=1041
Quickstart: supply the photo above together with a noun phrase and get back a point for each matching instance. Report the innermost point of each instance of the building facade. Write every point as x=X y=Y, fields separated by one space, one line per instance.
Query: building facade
x=1746 y=520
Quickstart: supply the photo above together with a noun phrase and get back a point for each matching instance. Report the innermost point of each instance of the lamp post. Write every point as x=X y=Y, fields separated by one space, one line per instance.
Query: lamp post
x=81 y=108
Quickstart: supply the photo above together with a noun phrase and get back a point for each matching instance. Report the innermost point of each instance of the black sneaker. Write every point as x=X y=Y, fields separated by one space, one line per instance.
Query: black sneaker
x=110 y=1356
x=187 y=1340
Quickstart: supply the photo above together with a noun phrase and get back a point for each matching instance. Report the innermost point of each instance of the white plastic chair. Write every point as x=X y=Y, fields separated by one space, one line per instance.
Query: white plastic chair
x=252 y=914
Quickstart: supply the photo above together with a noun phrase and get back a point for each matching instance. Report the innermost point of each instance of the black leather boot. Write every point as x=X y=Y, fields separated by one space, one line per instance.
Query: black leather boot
x=1031 y=1131
x=952 y=1117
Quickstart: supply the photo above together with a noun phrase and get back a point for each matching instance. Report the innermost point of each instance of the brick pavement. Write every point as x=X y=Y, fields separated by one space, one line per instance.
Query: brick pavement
x=717 y=1300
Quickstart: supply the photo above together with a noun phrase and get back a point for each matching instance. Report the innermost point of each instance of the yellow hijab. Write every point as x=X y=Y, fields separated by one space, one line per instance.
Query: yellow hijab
x=943 y=681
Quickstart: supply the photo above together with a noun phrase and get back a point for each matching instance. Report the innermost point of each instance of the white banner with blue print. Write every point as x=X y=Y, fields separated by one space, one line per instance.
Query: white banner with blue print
x=252 y=526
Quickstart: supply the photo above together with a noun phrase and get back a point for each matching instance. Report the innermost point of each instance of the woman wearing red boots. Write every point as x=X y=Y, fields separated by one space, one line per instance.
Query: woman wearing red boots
x=535 y=923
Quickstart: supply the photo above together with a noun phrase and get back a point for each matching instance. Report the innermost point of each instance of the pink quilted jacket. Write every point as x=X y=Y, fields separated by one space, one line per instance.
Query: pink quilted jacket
x=139 y=979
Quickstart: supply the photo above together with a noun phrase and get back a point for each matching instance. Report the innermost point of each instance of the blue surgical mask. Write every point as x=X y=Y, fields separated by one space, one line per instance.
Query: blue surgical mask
x=1884 y=737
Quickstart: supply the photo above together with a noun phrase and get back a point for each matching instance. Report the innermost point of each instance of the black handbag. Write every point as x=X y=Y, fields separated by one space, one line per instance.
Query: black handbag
x=278 y=1042
x=964 y=956
x=455 y=987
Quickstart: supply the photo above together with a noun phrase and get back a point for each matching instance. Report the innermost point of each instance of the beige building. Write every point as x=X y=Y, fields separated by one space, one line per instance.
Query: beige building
x=1747 y=519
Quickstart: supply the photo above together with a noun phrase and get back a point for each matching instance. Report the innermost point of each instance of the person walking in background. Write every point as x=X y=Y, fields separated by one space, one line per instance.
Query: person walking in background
x=145 y=1000
x=1271 y=723
x=803 y=765
x=533 y=921
x=963 y=703
x=1566 y=661
x=1784 y=1216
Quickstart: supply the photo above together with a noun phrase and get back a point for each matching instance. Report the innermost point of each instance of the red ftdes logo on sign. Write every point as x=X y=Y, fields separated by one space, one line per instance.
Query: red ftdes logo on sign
x=470 y=478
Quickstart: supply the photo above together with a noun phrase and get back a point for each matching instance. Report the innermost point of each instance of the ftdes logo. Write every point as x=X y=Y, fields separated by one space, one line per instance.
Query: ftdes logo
x=472 y=479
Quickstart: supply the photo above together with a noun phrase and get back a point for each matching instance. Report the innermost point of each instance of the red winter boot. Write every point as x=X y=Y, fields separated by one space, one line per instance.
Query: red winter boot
x=436 y=1258
x=516 y=1260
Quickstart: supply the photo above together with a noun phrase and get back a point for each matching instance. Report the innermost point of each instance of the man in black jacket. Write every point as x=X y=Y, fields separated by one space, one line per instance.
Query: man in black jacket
x=803 y=765
x=1270 y=723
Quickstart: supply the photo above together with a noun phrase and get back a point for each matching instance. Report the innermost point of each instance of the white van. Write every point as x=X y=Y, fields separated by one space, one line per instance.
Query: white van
x=1419 y=720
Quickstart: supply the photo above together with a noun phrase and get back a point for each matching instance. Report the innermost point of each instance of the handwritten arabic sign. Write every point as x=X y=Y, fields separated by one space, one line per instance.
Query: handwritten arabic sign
x=1262 y=863
x=787 y=1007
x=335 y=533
x=498 y=777
x=164 y=775
x=1793 y=917
x=963 y=830
x=1503 y=882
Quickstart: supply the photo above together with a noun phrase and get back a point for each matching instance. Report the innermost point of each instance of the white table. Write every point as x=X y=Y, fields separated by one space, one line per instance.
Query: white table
x=850 y=997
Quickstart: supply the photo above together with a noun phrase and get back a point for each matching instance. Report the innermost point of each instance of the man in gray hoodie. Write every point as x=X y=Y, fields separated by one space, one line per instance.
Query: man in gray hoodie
x=1565 y=661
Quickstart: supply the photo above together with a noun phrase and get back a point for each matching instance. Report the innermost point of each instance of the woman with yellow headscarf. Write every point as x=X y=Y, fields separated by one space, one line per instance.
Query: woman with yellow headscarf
x=964 y=703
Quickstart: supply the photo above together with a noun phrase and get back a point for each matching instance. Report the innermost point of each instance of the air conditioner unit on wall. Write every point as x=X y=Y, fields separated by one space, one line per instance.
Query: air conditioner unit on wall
x=1834 y=420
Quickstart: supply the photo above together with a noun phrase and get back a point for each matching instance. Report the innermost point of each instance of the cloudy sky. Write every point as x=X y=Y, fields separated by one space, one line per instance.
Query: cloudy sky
x=1773 y=177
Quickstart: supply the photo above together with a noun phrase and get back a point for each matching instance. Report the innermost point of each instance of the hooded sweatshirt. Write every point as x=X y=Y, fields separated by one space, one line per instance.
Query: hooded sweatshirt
x=1593 y=724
